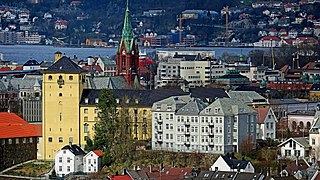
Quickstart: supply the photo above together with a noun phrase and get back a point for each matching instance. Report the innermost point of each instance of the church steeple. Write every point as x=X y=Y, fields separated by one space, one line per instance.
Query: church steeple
x=127 y=60
x=127 y=31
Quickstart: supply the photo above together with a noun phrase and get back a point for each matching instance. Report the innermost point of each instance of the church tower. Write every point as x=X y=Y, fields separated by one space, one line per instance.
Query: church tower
x=127 y=58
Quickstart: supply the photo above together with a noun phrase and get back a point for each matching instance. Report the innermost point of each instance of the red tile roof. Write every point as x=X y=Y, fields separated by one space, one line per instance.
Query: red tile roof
x=168 y=173
x=5 y=69
x=262 y=114
x=284 y=68
x=270 y=38
x=95 y=68
x=38 y=129
x=98 y=153
x=18 y=68
x=123 y=177
x=13 y=126
x=294 y=166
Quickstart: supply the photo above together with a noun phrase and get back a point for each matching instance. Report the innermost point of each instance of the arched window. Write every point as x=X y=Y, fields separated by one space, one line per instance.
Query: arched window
x=308 y=125
x=70 y=78
x=294 y=125
x=50 y=77
x=60 y=94
x=301 y=126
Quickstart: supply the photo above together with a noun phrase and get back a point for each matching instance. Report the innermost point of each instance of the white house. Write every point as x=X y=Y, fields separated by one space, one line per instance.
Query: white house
x=266 y=123
x=31 y=65
x=295 y=148
x=69 y=159
x=229 y=163
x=92 y=161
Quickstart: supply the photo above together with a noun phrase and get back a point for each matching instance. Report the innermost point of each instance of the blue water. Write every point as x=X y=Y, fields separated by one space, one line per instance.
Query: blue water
x=21 y=53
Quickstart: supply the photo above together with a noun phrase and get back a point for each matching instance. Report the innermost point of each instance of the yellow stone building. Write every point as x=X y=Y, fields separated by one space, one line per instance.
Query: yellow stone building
x=62 y=87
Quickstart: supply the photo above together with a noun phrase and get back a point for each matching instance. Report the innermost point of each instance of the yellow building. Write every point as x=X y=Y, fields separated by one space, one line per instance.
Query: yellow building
x=132 y=103
x=62 y=86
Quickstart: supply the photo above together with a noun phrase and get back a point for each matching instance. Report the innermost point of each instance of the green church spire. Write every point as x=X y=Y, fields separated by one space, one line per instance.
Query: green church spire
x=127 y=31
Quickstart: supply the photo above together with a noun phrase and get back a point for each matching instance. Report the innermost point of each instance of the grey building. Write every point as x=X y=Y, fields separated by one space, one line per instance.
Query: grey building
x=186 y=124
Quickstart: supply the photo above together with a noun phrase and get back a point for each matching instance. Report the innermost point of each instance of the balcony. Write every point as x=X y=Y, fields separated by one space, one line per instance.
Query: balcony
x=211 y=143
x=159 y=121
x=187 y=123
x=159 y=140
x=187 y=133
x=60 y=82
x=211 y=124
x=159 y=130
x=211 y=134
x=187 y=143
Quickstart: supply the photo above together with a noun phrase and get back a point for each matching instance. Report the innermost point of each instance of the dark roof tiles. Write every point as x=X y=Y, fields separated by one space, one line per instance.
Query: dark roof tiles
x=64 y=65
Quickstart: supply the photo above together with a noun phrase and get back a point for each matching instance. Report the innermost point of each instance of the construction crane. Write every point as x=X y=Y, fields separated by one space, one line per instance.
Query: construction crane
x=226 y=11
x=180 y=29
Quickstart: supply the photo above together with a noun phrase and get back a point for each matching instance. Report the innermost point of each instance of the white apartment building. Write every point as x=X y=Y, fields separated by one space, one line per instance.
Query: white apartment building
x=68 y=160
x=168 y=73
x=185 y=124
x=201 y=72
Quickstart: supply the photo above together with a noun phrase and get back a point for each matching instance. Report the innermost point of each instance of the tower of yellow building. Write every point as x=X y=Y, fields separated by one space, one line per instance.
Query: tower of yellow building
x=63 y=83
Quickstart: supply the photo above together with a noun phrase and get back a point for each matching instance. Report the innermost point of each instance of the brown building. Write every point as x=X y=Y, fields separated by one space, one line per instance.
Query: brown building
x=18 y=140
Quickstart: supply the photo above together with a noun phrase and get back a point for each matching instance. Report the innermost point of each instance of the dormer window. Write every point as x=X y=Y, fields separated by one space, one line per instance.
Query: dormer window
x=86 y=100
x=96 y=100
x=137 y=101
x=127 y=101
x=118 y=101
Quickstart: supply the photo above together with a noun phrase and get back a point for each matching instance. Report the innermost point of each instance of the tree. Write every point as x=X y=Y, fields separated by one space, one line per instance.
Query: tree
x=247 y=146
x=105 y=129
x=111 y=132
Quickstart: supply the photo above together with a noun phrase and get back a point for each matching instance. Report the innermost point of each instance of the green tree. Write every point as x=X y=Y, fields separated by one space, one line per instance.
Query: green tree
x=111 y=132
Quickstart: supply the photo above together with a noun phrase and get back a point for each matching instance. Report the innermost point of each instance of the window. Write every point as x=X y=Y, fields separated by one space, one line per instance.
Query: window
x=86 y=128
x=86 y=100
x=50 y=139
x=60 y=159
x=60 y=139
x=9 y=141
x=30 y=140
x=68 y=168
x=71 y=140
x=50 y=77
x=60 y=168
x=85 y=111
x=68 y=160
x=96 y=111
x=313 y=141
x=60 y=94
x=96 y=100
x=24 y=140
x=85 y=118
x=70 y=78
x=17 y=140
x=297 y=153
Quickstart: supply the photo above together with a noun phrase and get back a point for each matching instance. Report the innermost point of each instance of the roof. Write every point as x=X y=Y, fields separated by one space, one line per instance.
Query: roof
x=64 y=65
x=5 y=69
x=122 y=177
x=284 y=68
x=13 y=126
x=95 y=68
x=98 y=153
x=74 y=149
x=247 y=96
x=193 y=107
x=18 y=68
x=293 y=167
x=301 y=140
x=234 y=163
x=312 y=65
x=227 y=106
x=270 y=38
x=38 y=129
x=21 y=83
x=31 y=62
x=115 y=82
x=262 y=114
